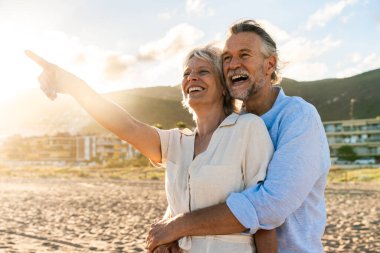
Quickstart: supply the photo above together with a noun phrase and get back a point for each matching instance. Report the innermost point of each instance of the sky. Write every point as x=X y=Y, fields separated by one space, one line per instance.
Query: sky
x=123 y=44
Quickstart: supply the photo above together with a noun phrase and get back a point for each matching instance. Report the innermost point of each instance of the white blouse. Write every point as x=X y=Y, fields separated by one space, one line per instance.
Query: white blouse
x=236 y=157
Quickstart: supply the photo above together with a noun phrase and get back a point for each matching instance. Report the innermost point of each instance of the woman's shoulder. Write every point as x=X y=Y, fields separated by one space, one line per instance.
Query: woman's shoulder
x=174 y=134
x=251 y=126
x=185 y=131
x=248 y=122
x=249 y=118
x=245 y=122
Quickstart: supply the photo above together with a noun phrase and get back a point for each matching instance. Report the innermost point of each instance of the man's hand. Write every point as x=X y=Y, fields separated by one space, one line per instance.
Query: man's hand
x=161 y=232
x=54 y=79
x=168 y=248
x=214 y=220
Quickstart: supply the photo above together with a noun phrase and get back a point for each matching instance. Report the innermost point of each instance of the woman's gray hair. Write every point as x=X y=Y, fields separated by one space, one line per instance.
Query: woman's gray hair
x=212 y=55
x=268 y=46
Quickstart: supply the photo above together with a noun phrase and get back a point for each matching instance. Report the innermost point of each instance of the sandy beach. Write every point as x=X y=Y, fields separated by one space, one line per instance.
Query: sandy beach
x=94 y=215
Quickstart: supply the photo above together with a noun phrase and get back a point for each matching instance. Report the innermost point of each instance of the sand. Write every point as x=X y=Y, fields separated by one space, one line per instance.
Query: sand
x=62 y=215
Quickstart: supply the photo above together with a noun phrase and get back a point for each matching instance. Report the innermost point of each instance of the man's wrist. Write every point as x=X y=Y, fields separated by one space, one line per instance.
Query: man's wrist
x=178 y=224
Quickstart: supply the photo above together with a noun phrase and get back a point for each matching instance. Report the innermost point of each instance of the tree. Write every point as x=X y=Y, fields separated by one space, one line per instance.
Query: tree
x=181 y=124
x=347 y=153
x=158 y=125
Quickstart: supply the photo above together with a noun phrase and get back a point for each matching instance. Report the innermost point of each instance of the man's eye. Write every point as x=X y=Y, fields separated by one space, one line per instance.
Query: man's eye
x=186 y=74
x=226 y=58
x=203 y=71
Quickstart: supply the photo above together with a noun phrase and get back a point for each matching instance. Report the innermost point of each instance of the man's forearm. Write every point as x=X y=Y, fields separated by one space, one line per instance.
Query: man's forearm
x=214 y=220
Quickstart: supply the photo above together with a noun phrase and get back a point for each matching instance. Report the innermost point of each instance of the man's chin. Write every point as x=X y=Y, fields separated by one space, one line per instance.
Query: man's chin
x=240 y=95
x=240 y=92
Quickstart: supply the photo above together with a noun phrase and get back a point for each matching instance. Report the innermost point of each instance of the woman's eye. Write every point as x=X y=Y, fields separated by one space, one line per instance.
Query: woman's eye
x=186 y=74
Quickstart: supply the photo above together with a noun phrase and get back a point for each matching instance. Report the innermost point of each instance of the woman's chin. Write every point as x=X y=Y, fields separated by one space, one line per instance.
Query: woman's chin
x=194 y=103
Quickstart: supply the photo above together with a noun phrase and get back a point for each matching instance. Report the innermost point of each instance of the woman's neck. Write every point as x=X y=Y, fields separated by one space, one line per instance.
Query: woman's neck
x=208 y=120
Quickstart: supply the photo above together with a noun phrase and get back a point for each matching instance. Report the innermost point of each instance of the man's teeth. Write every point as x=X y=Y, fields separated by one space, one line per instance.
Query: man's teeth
x=237 y=78
x=191 y=89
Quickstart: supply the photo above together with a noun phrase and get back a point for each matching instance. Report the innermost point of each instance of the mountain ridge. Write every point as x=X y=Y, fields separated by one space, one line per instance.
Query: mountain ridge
x=33 y=114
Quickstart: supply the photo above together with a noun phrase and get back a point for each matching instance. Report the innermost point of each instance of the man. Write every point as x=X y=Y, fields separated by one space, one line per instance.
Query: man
x=291 y=198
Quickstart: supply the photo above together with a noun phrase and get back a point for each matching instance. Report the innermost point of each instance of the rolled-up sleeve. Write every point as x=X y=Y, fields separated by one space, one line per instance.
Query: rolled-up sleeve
x=295 y=167
x=164 y=139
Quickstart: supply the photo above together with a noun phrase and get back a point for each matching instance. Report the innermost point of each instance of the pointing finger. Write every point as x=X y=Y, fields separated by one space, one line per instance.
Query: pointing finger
x=37 y=59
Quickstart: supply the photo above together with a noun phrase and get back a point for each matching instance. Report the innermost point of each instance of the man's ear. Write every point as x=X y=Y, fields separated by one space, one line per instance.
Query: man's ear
x=270 y=65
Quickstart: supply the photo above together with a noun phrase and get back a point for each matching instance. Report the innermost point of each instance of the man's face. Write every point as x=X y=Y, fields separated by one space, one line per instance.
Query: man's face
x=243 y=64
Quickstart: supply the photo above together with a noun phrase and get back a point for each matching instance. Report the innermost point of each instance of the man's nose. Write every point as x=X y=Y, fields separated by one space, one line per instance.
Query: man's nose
x=234 y=63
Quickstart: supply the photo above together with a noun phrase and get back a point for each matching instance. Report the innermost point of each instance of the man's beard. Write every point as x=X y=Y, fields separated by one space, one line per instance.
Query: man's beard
x=253 y=88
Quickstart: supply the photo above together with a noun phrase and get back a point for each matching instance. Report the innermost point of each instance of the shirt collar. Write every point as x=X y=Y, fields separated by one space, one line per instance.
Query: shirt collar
x=187 y=131
x=230 y=120
x=280 y=97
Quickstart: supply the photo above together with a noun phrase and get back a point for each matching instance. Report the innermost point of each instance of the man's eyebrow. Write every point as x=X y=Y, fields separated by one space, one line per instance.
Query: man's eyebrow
x=245 y=50
x=224 y=54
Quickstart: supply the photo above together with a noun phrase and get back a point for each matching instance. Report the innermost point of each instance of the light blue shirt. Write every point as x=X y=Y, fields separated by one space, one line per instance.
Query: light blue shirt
x=291 y=198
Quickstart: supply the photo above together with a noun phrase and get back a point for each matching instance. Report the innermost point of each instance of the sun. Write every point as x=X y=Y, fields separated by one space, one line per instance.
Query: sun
x=17 y=74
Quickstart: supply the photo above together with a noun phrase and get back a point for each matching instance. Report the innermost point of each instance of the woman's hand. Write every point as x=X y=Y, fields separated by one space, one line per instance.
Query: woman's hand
x=111 y=116
x=54 y=79
x=168 y=248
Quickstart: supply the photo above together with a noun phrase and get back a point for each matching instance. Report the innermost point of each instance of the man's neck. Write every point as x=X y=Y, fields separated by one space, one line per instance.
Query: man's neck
x=261 y=101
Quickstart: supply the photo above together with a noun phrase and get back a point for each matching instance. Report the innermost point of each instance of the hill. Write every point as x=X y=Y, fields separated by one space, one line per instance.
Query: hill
x=33 y=114
x=332 y=97
x=156 y=105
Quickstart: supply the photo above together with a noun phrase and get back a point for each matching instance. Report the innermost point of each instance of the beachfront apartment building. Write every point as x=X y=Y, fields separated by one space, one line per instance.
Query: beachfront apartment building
x=363 y=135
x=103 y=148
x=66 y=149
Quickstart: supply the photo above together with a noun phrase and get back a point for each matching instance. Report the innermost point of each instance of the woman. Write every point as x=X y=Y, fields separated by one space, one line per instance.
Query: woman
x=227 y=152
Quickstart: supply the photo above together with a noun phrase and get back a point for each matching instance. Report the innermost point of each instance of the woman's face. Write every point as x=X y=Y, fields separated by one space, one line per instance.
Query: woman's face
x=200 y=84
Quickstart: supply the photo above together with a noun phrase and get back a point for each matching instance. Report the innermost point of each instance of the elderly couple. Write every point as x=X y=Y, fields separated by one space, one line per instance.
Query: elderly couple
x=248 y=181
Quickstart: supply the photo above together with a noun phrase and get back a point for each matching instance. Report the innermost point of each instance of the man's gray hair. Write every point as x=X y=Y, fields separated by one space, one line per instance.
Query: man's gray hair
x=268 y=46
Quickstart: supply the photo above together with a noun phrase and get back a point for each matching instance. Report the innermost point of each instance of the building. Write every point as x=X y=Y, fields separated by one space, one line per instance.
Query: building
x=363 y=135
x=66 y=149
x=104 y=148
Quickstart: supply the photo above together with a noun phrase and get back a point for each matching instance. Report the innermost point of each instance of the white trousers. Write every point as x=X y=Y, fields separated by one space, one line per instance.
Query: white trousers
x=221 y=244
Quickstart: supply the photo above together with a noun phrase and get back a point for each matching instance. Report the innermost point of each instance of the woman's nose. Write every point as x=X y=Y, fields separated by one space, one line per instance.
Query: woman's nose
x=192 y=76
